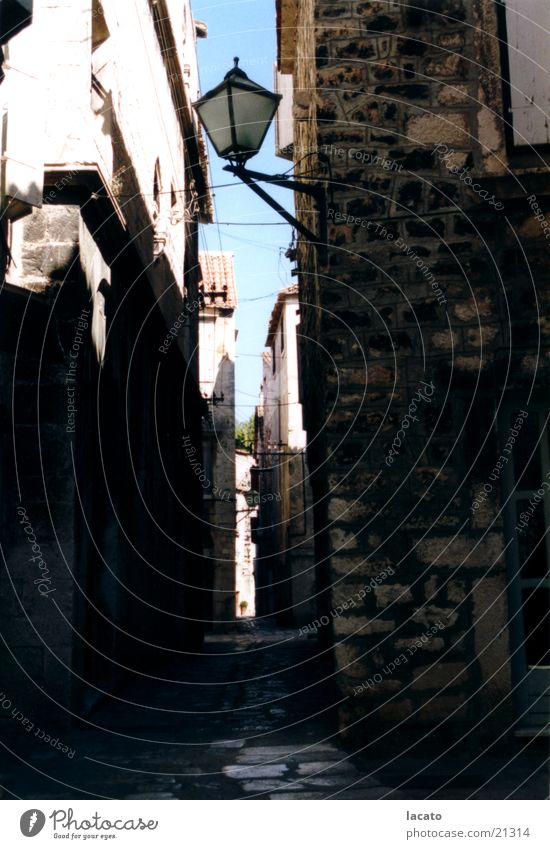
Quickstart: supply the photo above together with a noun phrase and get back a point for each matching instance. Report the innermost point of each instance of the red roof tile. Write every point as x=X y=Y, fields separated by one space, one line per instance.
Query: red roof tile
x=218 y=278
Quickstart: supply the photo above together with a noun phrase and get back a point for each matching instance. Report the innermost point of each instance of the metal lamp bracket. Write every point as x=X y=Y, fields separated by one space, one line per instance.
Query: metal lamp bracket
x=315 y=190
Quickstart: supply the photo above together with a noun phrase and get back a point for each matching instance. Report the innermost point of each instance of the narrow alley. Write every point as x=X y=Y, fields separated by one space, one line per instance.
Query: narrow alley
x=253 y=717
x=235 y=725
x=274 y=411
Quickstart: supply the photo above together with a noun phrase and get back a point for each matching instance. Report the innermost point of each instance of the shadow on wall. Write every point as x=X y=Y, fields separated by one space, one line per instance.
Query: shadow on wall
x=111 y=521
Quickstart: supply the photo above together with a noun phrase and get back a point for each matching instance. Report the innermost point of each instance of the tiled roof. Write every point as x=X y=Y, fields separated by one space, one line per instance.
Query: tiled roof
x=218 y=278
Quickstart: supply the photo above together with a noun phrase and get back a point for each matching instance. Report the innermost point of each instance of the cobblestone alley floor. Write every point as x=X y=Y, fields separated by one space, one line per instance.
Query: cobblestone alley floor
x=248 y=719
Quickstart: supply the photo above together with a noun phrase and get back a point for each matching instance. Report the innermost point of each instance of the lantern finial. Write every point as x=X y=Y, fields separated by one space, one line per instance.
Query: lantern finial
x=236 y=71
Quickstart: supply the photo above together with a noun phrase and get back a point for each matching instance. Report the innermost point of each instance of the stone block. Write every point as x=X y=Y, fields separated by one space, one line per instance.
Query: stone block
x=350 y=660
x=463 y=551
x=357 y=567
x=456 y=591
x=349 y=510
x=450 y=129
x=450 y=66
x=438 y=675
x=434 y=645
x=449 y=95
x=342 y=540
x=379 y=375
x=361 y=626
x=431 y=587
x=394 y=711
x=476 y=337
x=445 y=340
x=431 y=615
x=389 y=594
x=368 y=691
x=441 y=708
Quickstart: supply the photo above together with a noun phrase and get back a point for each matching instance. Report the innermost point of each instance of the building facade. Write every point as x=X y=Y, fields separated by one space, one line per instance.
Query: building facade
x=245 y=550
x=217 y=338
x=285 y=546
x=426 y=332
x=104 y=181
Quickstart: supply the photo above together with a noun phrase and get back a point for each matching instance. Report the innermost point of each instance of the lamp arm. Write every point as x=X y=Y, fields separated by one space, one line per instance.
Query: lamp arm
x=316 y=190
x=250 y=178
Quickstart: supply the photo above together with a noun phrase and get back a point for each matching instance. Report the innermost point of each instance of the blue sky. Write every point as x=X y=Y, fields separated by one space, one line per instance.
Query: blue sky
x=246 y=28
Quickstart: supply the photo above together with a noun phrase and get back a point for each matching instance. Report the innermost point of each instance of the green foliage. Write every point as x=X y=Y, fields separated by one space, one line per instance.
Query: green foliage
x=244 y=435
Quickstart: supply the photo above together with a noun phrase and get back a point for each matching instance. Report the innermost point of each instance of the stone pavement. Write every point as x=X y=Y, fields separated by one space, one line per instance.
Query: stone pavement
x=253 y=717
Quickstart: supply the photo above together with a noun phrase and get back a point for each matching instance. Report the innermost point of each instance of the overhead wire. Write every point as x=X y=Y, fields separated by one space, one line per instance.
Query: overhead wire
x=182 y=191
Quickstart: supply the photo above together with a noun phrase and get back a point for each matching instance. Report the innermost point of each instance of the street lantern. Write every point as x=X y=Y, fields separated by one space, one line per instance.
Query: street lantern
x=237 y=114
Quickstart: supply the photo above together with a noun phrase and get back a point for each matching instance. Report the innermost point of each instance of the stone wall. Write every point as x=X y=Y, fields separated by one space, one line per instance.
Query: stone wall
x=428 y=316
x=37 y=522
x=100 y=519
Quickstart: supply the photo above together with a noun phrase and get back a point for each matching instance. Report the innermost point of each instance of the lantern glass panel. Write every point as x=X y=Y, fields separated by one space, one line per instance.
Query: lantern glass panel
x=253 y=112
x=214 y=115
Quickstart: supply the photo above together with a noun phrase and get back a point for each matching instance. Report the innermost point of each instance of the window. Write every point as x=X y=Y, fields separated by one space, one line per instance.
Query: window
x=273 y=366
x=176 y=208
x=530 y=468
x=527 y=518
x=526 y=62
x=160 y=236
x=157 y=185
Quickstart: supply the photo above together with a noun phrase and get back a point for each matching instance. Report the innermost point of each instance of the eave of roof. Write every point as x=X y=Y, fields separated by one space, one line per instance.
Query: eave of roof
x=275 y=318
